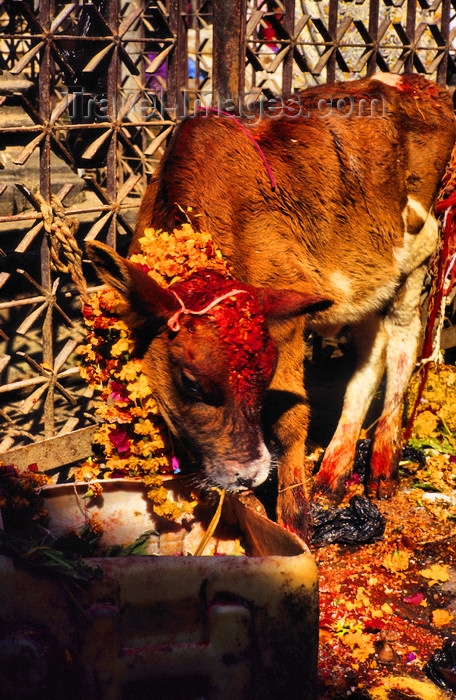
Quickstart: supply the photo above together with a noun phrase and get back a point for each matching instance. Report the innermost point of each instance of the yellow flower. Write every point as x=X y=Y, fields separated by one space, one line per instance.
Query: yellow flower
x=108 y=299
x=88 y=352
x=85 y=373
x=101 y=437
x=118 y=325
x=138 y=259
x=146 y=448
x=140 y=411
x=130 y=370
x=160 y=494
x=185 y=232
x=153 y=480
x=96 y=528
x=139 y=389
x=113 y=414
x=145 y=427
x=122 y=346
x=167 y=509
x=87 y=472
x=150 y=405
x=116 y=464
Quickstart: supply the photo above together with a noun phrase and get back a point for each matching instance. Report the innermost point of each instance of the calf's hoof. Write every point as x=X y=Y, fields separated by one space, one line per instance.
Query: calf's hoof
x=382 y=488
x=293 y=512
x=328 y=490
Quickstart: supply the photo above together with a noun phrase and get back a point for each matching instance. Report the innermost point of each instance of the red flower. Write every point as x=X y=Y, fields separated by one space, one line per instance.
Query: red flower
x=87 y=311
x=120 y=440
x=414 y=599
x=103 y=322
x=118 y=392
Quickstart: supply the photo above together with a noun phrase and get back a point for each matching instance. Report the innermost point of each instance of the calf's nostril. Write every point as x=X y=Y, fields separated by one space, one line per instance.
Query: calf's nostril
x=246 y=483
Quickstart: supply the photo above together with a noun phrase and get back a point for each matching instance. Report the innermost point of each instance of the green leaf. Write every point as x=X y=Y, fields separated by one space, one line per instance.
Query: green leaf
x=46 y=558
x=442 y=446
x=427 y=487
x=138 y=547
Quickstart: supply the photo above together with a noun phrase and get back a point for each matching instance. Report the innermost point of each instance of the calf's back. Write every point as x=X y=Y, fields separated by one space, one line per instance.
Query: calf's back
x=349 y=188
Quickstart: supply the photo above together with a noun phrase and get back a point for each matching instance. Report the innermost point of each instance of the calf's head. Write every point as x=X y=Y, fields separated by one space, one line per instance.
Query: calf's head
x=209 y=359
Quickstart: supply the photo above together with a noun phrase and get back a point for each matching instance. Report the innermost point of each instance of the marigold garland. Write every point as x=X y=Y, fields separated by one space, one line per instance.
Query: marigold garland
x=20 y=493
x=133 y=437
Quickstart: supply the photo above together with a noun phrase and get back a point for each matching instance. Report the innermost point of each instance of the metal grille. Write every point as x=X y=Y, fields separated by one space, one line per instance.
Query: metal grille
x=323 y=41
x=89 y=93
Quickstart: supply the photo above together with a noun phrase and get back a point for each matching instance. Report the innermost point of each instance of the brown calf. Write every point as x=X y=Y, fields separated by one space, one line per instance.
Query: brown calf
x=350 y=226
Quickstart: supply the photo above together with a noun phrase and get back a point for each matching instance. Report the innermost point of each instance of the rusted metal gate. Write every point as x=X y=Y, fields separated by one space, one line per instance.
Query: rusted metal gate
x=89 y=93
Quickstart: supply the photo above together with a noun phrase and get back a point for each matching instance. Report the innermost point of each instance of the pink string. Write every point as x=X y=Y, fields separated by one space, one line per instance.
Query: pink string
x=173 y=322
x=249 y=135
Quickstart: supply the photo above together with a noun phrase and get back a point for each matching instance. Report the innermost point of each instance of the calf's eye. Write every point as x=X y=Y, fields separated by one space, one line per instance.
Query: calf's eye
x=191 y=387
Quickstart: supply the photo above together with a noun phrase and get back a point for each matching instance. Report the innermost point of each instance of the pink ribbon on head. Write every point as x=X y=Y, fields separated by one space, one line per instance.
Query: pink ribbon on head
x=173 y=322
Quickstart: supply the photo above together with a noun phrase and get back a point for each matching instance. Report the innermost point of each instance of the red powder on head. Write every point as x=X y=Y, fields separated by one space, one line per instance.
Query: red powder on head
x=417 y=86
x=241 y=324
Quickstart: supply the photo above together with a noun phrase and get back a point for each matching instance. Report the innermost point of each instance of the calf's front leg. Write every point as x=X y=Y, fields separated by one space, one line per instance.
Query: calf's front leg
x=287 y=414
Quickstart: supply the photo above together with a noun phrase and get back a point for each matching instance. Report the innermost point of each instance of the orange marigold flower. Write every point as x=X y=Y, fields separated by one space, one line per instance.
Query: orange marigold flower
x=146 y=448
x=145 y=427
x=108 y=299
x=123 y=346
x=130 y=370
x=150 y=405
x=112 y=414
x=139 y=389
x=116 y=464
x=88 y=471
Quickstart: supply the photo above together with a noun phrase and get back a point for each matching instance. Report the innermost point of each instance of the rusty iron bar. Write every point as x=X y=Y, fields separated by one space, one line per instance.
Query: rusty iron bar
x=112 y=97
x=332 y=28
x=410 y=29
x=445 y=34
x=372 y=62
x=177 y=61
x=228 y=53
x=289 y=26
x=53 y=452
x=46 y=11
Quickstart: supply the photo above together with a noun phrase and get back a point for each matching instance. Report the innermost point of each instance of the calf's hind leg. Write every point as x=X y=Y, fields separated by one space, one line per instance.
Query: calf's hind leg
x=370 y=341
x=389 y=344
x=403 y=327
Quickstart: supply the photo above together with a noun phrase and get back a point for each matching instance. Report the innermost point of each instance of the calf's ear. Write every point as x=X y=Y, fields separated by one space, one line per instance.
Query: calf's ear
x=286 y=303
x=147 y=304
